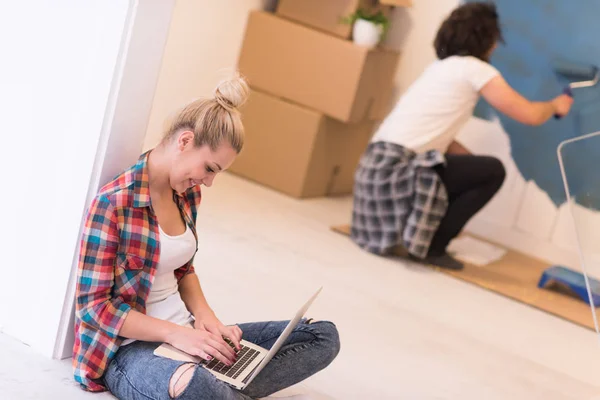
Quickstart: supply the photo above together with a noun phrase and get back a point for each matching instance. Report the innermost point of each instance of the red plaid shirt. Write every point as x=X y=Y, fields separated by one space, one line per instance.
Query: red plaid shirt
x=119 y=252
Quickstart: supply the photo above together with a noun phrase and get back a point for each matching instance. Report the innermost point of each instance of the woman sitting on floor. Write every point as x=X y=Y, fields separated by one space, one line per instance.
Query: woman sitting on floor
x=136 y=285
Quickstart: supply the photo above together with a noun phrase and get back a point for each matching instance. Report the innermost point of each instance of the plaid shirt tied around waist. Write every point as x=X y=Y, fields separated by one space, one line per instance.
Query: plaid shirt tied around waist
x=399 y=199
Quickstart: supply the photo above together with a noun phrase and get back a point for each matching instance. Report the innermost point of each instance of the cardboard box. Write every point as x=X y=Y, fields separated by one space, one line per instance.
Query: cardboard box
x=397 y=3
x=299 y=151
x=326 y=15
x=319 y=71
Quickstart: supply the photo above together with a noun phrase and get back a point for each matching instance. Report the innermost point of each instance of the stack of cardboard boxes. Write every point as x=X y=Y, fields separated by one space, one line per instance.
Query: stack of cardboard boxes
x=315 y=97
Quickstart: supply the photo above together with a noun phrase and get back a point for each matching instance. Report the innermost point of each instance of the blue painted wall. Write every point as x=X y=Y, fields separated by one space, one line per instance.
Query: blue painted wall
x=537 y=32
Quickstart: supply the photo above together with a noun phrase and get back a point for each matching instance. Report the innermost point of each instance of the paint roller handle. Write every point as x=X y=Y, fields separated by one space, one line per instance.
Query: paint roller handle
x=569 y=93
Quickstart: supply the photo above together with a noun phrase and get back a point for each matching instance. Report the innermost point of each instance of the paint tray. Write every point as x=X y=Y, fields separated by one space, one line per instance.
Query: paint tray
x=573 y=281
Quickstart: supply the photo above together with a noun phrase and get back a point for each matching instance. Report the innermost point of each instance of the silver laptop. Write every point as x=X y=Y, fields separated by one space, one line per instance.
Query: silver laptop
x=251 y=358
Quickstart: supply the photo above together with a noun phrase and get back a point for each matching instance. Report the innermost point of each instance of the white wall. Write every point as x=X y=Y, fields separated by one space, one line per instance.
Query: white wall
x=125 y=119
x=204 y=41
x=56 y=73
x=521 y=216
x=412 y=32
x=77 y=82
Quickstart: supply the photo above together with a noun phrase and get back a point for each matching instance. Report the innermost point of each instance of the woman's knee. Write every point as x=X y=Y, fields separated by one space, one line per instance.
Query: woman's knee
x=192 y=382
x=180 y=379
x=329 y=339
x=496 y=170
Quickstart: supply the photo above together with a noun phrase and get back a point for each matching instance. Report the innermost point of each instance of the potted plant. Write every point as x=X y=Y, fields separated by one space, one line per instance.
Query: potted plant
x=368 y=28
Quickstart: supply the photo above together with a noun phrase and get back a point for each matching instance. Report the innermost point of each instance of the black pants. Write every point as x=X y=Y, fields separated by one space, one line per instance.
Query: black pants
x=471 y=181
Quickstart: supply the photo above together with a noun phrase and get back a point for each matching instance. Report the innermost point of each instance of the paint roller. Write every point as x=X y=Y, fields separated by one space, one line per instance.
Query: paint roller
x=586 y=75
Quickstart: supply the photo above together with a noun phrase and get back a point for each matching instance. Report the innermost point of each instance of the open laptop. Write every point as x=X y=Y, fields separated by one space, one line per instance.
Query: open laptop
x=251 y=358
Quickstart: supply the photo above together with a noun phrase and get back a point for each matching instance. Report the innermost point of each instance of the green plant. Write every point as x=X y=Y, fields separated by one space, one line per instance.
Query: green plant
x=378 y=18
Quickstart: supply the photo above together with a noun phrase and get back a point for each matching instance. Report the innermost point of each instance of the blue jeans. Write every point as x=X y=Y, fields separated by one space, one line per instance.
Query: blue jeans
x=136 y=373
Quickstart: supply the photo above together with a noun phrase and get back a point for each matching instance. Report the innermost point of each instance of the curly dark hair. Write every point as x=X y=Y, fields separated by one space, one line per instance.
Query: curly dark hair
x=470 y=30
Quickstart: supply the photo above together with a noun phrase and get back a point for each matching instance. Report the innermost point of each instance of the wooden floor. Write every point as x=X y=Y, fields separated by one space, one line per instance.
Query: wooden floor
x=516 y=276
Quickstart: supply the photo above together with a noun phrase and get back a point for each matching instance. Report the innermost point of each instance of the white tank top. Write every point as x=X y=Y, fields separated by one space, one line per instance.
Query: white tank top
x=164 y=301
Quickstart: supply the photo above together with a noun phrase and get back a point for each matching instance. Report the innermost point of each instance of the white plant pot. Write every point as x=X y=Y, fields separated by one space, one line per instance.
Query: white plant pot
x=366 y=33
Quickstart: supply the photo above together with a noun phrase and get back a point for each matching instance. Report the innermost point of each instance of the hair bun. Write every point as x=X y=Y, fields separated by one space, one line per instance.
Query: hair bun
x=232 y=93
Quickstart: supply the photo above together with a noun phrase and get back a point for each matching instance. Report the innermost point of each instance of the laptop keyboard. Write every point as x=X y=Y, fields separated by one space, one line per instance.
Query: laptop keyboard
x=245 y=356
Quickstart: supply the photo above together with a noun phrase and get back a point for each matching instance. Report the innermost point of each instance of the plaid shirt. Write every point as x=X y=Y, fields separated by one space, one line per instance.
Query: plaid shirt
x=398 y=199
x=119 y=252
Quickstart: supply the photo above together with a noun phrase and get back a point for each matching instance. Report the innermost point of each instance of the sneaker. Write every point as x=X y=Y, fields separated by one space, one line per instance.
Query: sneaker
x=445 y=261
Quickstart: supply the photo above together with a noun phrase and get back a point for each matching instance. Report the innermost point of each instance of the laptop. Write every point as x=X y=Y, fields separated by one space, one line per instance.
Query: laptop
x=251 y=358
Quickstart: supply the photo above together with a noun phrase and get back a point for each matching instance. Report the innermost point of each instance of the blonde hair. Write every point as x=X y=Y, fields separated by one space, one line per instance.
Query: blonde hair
x=215 y=120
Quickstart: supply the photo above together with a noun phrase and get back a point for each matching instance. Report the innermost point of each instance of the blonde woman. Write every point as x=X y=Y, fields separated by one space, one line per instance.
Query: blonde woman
x=137 y=287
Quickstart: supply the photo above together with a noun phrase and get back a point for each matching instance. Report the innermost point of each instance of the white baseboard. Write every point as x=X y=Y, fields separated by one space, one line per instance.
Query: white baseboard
x=524 y=243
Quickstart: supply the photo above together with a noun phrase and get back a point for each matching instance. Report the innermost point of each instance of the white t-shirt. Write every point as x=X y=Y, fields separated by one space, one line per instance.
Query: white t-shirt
x=432 y=111
x=164 y=301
